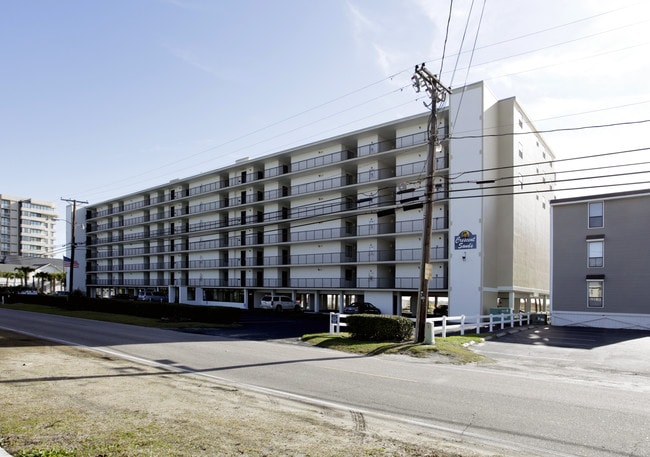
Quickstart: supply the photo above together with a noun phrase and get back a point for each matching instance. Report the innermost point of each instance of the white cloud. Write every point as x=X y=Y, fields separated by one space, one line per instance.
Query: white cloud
x=361 y=24
x=192 y=59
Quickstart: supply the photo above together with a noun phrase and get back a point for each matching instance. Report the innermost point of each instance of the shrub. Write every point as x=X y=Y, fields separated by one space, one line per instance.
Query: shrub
x=379 y=328
x=168 y=311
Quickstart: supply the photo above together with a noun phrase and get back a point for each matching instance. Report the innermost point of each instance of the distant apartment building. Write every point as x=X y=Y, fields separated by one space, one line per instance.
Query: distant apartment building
x=342 y=219
x=27 y=227
x=600 y=264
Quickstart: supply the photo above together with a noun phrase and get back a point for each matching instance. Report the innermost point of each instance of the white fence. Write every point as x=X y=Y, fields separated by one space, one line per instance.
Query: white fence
x=336 y=323
x=444 y=324
x=461 y=324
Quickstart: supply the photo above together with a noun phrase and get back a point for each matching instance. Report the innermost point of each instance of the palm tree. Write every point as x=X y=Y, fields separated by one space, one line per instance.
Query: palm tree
x=23 y=272
x=7 y=275
x=42 y=276
x=59 y=277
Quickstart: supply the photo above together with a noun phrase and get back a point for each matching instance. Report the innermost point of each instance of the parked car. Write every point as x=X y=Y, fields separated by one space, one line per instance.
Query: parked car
x=441 y=310
x=361 y=308
x=148 y=295
x=280 y=303
x=27 y=292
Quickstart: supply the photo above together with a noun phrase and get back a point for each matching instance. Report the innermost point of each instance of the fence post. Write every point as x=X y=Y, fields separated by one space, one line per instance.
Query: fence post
x=512 y=319
x=479 y=320
x=462 y=324
x=444 y=326
x=491 y=322
x=503 y=321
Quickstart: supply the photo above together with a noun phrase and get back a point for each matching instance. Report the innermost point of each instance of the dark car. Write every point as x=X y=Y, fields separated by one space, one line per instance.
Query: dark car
x=361 y=308
x=148 y=295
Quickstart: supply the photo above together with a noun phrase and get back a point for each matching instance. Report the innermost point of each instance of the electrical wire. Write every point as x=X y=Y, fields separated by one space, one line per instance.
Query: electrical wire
x=444 y=46
x=480 y=193
x=462 y=94
x=565 y=129
x=363 y=88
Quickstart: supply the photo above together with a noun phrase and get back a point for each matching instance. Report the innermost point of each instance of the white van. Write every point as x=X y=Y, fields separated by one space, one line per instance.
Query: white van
x=279 y=303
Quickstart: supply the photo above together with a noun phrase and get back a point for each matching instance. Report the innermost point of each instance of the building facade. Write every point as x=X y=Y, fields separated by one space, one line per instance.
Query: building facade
x=600 y=264
x=27 y=227
x=341 y=220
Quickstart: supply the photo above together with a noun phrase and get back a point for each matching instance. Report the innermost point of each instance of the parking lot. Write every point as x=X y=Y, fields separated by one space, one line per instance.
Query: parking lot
x=265 y=326
x=573 y=351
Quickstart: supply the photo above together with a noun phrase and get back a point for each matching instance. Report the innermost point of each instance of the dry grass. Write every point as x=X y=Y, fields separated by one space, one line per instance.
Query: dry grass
x=60 y=401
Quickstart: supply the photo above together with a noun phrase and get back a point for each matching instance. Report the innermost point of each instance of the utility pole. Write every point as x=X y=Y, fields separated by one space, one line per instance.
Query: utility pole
x=73 y=244
x=424 y=79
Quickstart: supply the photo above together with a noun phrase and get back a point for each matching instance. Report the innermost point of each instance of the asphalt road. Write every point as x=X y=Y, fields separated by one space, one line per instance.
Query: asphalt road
x=507 y=405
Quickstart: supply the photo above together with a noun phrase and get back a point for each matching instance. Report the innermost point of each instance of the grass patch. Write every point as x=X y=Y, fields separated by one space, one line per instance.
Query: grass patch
x=110 y=317
x=45 y=453
x=454 y=348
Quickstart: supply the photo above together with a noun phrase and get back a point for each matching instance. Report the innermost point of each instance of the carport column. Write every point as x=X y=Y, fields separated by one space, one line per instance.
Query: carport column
x=341 y=304
x=316 y=296
x=511 y=300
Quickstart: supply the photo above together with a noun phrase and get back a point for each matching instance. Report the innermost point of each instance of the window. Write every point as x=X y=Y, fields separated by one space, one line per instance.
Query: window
x=595 y=215
x=595 y=253
x=595 y=294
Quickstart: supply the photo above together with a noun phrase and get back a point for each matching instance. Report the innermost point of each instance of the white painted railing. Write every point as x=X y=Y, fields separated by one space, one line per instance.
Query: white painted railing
x=444 y=324
x=336 y=323
x=463 y=323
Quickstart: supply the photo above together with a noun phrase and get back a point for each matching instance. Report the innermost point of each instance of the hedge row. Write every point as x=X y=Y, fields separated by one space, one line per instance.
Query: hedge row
x=379 y=328
x=165 y=311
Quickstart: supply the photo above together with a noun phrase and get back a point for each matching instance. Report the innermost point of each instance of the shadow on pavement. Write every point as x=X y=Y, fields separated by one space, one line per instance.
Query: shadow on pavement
x=572 y=337
x=261 y=326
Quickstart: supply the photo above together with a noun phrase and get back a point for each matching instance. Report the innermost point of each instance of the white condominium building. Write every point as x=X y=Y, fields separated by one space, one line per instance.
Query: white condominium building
x=341 y=220
x=27 y=227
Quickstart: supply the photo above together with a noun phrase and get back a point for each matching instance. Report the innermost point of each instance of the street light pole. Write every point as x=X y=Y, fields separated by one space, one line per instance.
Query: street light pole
x=423 y=78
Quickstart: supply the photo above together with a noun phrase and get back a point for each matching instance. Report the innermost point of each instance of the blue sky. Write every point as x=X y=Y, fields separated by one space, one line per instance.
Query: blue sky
x=102 y=98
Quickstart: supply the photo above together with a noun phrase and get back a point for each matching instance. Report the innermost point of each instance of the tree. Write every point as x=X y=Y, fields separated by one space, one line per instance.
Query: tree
x=23 y=272
x=60 y=277
x=7 y=275
x=42 y=276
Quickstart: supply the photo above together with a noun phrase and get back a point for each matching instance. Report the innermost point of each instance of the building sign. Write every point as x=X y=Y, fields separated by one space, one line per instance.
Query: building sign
x=465 y=240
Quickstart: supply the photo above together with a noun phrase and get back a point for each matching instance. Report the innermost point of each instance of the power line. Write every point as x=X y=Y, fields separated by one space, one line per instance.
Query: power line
x=444 y=46
x=462 y=94
x=184 y=160
x=566 y=129
x=543 y=162
x=335 y=216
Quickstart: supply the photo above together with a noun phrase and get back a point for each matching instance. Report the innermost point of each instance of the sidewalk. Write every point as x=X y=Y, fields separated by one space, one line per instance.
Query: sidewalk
x=4 y=453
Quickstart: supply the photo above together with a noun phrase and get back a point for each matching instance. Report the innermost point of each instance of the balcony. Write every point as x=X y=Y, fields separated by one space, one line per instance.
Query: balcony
x=321 y=160
x=325 y=184
x=437 y=283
